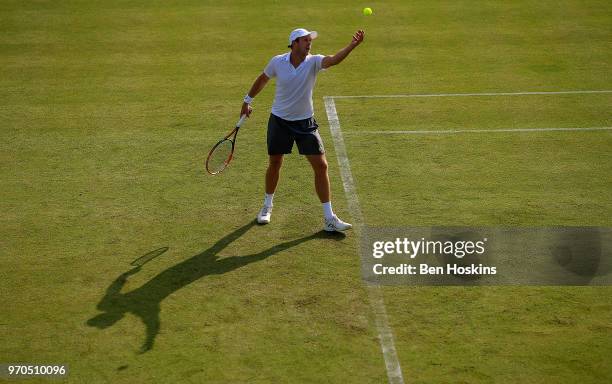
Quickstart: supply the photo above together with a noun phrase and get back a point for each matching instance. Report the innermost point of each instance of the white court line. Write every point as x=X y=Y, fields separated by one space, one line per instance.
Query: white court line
x=452 y=131
x=375 y=295
x=468 y=94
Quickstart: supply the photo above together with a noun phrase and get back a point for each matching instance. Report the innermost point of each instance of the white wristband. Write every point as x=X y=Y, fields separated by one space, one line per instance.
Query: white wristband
x=248 y=99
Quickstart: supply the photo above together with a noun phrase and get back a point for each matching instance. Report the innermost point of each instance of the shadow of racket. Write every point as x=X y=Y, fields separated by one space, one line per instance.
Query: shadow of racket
x=142 y=260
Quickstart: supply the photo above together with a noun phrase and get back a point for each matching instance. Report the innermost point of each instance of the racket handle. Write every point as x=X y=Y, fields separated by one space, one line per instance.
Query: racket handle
x=242 y=119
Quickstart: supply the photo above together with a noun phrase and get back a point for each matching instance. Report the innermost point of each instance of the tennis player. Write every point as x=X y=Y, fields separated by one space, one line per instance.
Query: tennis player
x=292 y=118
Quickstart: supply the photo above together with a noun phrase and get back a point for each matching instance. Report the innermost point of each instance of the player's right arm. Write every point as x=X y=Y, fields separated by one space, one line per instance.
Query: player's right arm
x=258 y=85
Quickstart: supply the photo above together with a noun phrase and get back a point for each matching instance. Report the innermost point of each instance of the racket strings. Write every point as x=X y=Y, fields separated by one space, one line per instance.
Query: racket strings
x=219 y=157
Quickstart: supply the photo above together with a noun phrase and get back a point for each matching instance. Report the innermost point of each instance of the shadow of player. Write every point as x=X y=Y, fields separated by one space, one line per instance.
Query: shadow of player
x=145 y=301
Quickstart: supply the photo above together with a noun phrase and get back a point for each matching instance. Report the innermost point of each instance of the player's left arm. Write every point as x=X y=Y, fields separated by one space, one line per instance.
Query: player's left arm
x=328 y=61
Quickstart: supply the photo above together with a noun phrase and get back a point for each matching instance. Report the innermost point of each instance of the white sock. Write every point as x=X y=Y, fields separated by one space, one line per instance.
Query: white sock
x=327 y=210
x=268 y=199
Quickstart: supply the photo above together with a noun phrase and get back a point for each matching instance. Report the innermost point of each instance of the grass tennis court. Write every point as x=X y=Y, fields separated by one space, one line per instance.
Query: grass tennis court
x=522 y=178
x=108 y=111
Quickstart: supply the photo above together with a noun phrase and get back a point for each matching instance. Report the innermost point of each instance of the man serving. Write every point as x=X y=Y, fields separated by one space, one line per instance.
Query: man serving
x=292 y=118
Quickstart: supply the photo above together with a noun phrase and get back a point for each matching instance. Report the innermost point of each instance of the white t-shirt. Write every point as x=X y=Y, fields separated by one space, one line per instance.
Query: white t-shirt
x=293 y=97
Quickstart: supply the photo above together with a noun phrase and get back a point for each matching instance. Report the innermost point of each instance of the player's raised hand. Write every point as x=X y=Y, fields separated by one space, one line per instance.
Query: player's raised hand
x=358 y=38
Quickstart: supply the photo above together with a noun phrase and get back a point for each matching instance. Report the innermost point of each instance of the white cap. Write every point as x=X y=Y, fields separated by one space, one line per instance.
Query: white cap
x=301 y=32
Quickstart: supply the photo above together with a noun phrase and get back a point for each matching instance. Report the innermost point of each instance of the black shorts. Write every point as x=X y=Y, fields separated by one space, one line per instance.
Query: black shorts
x=305 y=133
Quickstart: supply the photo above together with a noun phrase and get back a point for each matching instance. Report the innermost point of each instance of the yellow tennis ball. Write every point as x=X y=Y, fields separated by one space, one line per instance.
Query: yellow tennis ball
x=367 y=11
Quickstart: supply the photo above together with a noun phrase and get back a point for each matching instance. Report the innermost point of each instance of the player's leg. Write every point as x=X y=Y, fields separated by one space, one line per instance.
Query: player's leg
x=310 y=144
x=273 y=173
x=280 y=141
x=272 y=176
x=322 y=186
x=321 y=178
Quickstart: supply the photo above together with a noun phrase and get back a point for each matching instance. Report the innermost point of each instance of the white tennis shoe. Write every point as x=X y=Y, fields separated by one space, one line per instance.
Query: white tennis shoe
x=263 y=217
x=334 y=224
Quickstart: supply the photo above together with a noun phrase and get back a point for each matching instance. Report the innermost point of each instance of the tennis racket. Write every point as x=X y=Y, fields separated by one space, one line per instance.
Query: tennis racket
x=222 y=153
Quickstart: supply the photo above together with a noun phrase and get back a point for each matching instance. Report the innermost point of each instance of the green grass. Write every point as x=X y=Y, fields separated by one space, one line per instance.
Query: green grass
x=108 y=111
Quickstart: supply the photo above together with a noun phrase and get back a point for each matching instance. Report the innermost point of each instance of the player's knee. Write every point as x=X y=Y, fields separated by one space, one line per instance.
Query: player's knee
x=320 y=166
x=276 y=162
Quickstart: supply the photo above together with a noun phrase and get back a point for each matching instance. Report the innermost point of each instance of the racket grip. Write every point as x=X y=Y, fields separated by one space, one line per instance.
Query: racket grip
x=242 y=119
